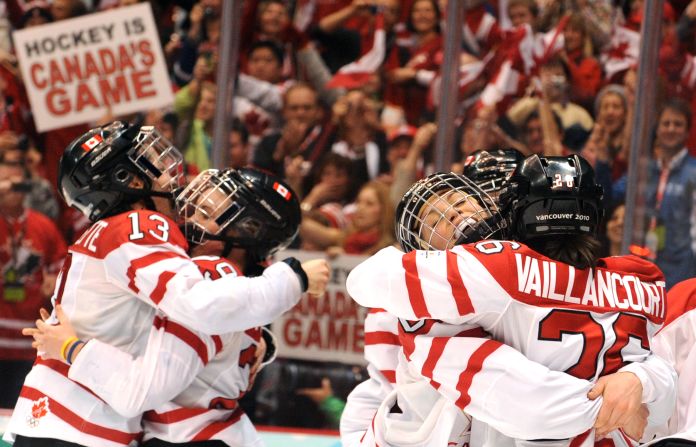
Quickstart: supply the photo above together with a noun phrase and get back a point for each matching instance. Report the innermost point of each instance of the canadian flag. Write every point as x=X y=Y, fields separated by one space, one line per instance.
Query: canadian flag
x=357 y=73
x=480 y=26
x=92 y=143
x=282 y=190
x=505 y=83
x=468 y=73
x=550 y=43
x=621 y=53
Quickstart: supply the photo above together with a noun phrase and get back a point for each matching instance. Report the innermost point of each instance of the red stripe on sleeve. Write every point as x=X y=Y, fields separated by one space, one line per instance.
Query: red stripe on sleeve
x=472 y=368
x=79 y=423
x=381 y=338
x=375 y=310
x=579 y=439
x=218 y=343
x=413 y=285
x=145 y=261
x=389 y=374
x=216 y=427
x=476 y=333
x=64 y=277
x=185 y=335
x=254 y=333
x=56 y=365
x=461 y=295
x=161 y=287
x=173 y=416
x=436 y=348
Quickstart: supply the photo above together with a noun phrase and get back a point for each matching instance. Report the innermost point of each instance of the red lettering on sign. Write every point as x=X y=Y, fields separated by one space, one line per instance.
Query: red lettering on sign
x=141 y=81
x=34 y=70
x=56 y=102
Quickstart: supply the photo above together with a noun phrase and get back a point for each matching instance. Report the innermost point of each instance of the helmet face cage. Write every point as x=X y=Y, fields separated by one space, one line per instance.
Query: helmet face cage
x=209 y=204
x=491 y=170
x=158 y=159
x=444 y=210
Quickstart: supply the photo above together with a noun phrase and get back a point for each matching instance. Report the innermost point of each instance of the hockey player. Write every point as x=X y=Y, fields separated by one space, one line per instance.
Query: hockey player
x=490 y=171
x=129 y=265
x=676 y=343
x=480 y=286
x=207 y=410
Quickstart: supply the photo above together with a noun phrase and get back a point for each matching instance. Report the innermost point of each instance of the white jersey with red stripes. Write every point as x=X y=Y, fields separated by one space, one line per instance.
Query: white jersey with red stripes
x=208 y=409
x=586 y=323
x=676 y=343
x=383 y=350
x=119 y=280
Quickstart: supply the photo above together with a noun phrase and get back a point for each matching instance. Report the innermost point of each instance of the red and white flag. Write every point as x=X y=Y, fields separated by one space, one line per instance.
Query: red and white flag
x=357 y=73
x=92 y=143
x=480 y=29
x=622 y=51
x=282 y=190
x=550 y=43
x=505 y=83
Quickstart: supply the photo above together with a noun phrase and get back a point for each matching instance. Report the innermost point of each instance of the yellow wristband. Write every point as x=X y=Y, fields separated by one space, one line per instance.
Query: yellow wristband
x=67 y=343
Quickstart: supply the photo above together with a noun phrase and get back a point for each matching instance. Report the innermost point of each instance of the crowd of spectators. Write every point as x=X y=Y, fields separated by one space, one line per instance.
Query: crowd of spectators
x=549 y=77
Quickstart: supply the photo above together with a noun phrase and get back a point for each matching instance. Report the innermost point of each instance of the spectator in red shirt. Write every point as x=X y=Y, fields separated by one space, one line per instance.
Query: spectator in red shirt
x=414 y=64
x=31 y=251
x=585 y=71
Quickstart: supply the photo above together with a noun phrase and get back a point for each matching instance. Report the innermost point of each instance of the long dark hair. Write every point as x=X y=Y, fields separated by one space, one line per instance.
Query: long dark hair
x=579 y=250
x=438 y=16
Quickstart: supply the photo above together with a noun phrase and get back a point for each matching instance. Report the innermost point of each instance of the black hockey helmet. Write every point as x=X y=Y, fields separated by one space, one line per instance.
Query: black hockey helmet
x=490 y=170
x=97 y=169
x=553 y=196
x=444 y=210
x=245 y=208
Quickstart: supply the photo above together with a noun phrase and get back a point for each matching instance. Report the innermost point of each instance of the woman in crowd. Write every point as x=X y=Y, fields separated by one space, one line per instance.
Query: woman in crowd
x=370 y=230
x=414 y=64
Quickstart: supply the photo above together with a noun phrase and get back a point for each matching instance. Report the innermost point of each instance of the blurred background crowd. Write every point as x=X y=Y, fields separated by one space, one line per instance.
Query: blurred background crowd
x=551 y=77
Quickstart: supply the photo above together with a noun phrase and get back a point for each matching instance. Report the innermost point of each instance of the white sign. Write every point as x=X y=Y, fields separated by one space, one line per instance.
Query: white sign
x=329 y=328
x=76 y=70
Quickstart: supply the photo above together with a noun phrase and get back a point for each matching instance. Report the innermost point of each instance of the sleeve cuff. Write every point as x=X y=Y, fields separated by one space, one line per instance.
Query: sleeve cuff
x=648 y=389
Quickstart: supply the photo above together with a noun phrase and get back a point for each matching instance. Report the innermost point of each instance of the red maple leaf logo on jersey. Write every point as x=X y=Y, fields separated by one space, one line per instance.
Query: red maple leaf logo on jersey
x=39 y=408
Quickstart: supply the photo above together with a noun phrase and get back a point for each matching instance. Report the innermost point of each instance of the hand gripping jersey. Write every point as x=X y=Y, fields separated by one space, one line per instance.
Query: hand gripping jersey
x=585 y=323
x=125 y=275
x=676 y=343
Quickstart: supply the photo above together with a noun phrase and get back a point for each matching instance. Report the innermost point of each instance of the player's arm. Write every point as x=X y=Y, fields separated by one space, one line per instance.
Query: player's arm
x=676 y=343
x=381 y=352
x=360 y=409
x=144 y=253
x=659 y=381
x=175 y=286
x=499 y=386
x=129 y=384
x=447 y=285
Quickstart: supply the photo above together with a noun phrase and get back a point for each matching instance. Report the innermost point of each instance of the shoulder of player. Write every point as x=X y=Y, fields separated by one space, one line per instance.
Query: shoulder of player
x=633 y=265
x=496 y=248
x=681 y=299
x=216 y=266
x=140 y=227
